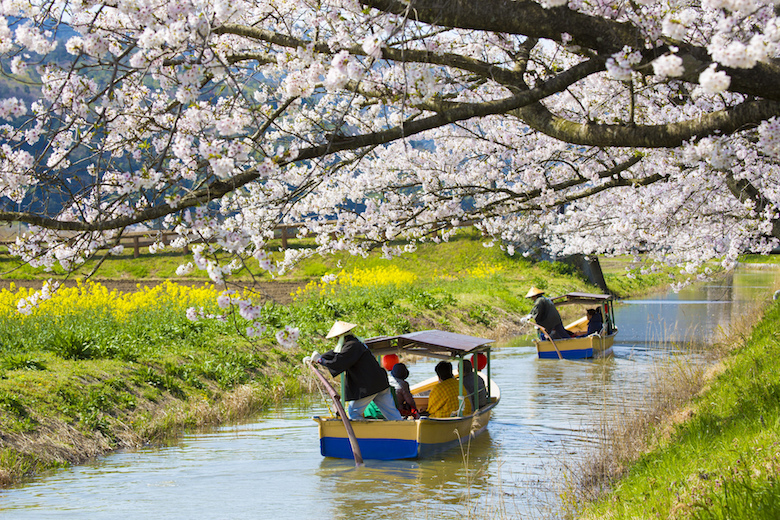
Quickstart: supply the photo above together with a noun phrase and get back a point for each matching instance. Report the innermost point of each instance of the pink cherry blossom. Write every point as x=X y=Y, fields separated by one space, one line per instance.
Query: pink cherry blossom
x=651 y=128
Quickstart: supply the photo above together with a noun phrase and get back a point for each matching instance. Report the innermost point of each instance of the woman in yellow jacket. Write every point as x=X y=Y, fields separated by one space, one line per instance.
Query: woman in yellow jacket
x=443 y=401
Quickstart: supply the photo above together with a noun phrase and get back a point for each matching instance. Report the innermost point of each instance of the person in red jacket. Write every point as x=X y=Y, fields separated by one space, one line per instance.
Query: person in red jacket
x=365 y=379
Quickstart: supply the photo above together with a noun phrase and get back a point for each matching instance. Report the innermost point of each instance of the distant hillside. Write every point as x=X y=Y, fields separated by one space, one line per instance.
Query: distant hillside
x=10 y=87
x=27 y=88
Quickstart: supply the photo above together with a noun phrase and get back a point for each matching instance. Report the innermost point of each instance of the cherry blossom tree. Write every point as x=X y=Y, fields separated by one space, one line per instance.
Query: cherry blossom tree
x=588 y=126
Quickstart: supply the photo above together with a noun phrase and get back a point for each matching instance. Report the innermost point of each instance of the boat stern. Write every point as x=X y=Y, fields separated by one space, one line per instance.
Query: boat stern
x=378 y=439
x=577 y=348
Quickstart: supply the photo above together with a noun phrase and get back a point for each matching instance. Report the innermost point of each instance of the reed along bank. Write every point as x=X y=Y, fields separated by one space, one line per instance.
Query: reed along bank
x=717 y=456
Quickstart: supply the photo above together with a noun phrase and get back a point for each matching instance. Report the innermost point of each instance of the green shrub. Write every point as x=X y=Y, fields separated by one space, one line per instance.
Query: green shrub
x=11 y=403
x=481 y=314
x=21 y=362
x=230 y=368
x=427 y=300
x=149 y=376
x=10 y=341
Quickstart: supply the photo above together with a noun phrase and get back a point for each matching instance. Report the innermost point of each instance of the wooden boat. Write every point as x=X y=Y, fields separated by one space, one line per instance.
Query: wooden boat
x=423 y=437
x=596 y=345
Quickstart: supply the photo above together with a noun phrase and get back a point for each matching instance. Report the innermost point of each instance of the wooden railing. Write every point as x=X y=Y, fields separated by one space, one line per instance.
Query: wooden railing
x=139 y=239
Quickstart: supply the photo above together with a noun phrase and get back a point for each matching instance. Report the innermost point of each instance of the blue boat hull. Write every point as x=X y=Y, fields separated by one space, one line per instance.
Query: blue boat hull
x=378 y=449
x=576 y=348
x=583 y=353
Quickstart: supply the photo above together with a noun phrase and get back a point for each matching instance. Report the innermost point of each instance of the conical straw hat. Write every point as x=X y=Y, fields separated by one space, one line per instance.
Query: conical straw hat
x=533 y=291
x=339 y=328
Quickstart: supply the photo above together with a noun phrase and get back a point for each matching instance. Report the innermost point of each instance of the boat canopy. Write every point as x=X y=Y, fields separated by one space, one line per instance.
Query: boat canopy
x=578 y=298
x=431 y=343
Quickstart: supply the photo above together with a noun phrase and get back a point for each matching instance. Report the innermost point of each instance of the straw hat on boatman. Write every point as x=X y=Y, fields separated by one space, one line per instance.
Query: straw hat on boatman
x=340 y=328
x=365 y=380
x=533 y=292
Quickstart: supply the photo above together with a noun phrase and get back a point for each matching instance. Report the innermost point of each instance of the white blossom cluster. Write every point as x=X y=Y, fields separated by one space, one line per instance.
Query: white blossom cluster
x=619 y=66
x=26 y=305
x=223 y=120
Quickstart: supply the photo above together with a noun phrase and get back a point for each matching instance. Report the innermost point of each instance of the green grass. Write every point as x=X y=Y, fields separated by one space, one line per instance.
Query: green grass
x=430 y=261
x=154 y=372
x=760 y=259
x=723 y=462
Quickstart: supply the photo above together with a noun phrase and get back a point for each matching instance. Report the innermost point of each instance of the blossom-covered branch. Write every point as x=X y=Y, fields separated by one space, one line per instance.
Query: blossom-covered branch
x=595 y=127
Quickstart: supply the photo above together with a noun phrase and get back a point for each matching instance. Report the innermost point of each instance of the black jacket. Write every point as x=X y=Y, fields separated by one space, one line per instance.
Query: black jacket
x=364 y=375
x=545 y=314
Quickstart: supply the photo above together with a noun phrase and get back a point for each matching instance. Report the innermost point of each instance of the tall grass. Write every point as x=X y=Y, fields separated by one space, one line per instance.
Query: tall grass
x=625 y=434
x=707 y=446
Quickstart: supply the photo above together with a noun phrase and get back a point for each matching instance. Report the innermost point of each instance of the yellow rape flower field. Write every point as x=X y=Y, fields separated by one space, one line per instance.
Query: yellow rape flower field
x=371 y=277
x=389 y=275
x=91 y=296
x=484 y=270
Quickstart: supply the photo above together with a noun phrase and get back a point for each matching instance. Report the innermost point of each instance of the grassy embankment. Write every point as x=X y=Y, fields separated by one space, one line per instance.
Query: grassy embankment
x=93 y=370
x=715 y=456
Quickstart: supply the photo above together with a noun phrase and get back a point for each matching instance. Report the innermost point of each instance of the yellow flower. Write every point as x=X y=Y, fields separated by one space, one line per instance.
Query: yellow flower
x=374 y=276
x=483 y=270
x=95 y=297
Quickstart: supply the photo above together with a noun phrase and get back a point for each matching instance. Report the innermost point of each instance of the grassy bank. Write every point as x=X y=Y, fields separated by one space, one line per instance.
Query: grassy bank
x=718 y=457
x=429 y=262
x=91 y=370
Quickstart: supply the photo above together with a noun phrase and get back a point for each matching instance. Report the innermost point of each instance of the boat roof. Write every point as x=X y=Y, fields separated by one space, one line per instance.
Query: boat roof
x=431 y=343
x=579 y=298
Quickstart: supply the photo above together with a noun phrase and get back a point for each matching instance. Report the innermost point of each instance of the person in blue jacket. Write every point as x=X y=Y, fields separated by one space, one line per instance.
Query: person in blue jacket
x=595 y=322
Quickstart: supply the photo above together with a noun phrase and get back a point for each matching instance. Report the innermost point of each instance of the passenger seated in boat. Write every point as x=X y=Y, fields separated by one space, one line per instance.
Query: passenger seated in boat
x=403 y=395
x=595 y=321
x=479 y=399
x=443 y=401
x=546 y=315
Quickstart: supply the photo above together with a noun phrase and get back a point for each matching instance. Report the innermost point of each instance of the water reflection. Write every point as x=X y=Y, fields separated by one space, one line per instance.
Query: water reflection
x=271 y=467
x=404 y=489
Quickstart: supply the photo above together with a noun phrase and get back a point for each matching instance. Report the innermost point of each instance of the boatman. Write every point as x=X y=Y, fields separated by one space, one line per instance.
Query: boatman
x=365 y=380
x=546 y=315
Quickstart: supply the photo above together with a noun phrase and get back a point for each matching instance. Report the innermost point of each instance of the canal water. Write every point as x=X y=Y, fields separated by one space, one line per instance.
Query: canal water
x=271 y=467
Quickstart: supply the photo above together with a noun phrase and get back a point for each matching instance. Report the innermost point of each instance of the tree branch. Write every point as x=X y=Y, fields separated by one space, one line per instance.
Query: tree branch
x=519 y=17
x=743 y=190
x=670 y=135
x=606 y=37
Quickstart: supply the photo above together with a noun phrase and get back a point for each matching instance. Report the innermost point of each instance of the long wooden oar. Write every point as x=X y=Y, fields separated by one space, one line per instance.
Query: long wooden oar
x=340 y=408
x=550 y=338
